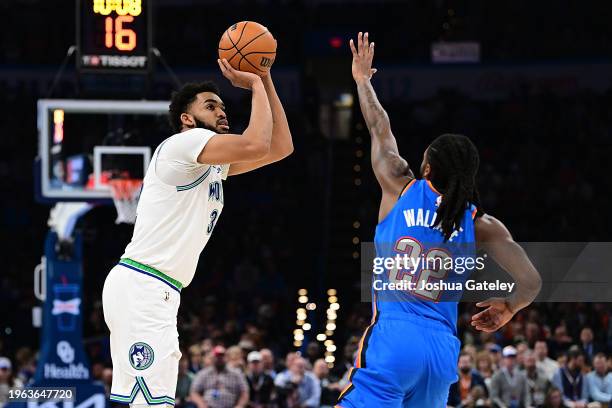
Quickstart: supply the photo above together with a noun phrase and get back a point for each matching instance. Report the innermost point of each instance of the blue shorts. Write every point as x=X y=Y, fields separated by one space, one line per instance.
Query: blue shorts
x=403 y=361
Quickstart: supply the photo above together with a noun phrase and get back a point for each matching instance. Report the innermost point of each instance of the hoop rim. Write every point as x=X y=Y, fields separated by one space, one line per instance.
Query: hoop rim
x=124 y=188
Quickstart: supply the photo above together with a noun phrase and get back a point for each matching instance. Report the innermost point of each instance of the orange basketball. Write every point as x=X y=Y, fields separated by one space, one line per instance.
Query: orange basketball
x=248 y=46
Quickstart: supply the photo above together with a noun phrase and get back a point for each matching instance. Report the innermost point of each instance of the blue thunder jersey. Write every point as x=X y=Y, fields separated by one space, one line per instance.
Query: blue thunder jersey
x=436 y=270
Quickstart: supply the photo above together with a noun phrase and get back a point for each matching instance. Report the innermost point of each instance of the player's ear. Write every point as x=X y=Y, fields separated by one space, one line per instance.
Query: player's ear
x=187 y=120
x=426 y=171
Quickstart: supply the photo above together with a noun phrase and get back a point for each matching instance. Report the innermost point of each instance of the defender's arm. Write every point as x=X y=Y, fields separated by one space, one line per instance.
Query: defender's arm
x=281 y=145
x=493 y=236
x=390 y=169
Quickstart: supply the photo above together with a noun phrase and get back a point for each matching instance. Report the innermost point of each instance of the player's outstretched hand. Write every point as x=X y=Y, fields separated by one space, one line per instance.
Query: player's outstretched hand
x=495 y=316
x=362 y=57
x=239 y=79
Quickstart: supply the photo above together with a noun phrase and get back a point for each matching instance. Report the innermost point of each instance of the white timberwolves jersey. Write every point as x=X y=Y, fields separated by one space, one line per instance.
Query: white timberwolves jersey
x=180 y=203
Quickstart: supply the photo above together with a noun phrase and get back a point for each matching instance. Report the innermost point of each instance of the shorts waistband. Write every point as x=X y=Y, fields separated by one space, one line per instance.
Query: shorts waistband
x=147 y=270
x=421 y=321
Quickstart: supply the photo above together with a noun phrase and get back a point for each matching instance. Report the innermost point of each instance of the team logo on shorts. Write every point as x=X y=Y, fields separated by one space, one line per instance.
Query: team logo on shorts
x=141 y=356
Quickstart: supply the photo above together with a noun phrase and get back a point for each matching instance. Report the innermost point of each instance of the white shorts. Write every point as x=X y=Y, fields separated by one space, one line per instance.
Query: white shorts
x=140 y=309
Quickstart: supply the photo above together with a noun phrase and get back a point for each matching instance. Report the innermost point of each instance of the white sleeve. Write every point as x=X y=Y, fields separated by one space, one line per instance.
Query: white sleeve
x=177 y=157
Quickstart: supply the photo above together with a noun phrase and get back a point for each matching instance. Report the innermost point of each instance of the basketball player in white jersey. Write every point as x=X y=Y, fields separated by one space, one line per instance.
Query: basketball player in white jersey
x=180 y=203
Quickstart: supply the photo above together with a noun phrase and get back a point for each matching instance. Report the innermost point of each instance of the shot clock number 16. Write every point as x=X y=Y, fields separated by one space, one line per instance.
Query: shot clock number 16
x=114 y=35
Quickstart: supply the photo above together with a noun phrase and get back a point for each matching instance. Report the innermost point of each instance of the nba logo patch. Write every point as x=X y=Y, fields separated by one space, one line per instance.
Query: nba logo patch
x=141 y=356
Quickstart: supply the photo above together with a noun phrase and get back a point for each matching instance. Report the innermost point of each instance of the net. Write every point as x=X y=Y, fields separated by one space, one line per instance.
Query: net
x=126 y=193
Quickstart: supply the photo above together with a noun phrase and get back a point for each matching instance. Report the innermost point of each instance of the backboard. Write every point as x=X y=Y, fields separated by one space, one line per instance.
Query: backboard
x=84 y=143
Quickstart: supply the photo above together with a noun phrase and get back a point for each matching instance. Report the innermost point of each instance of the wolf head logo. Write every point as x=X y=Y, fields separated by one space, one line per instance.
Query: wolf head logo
x=141 y=356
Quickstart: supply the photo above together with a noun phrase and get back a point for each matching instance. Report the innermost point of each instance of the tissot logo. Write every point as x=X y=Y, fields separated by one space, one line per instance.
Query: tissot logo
x=114 y=61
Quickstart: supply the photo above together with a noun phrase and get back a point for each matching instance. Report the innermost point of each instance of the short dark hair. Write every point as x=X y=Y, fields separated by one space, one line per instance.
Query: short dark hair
x=573 y=353
x=182 y=98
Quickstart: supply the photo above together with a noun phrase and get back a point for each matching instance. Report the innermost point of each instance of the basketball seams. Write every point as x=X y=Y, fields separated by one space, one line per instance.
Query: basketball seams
x=230 y=39
x=239 y=50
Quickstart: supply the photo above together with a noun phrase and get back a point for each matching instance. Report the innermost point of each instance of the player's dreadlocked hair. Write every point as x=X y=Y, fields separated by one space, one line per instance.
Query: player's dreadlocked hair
x=182 y=98
x=454 y=162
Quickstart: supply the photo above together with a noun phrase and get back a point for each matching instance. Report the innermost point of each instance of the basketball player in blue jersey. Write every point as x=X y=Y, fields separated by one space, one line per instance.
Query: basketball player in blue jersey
x=408 y=356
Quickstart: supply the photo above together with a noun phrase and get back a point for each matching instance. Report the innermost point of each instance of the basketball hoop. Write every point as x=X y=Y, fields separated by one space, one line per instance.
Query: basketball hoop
x=126 y=193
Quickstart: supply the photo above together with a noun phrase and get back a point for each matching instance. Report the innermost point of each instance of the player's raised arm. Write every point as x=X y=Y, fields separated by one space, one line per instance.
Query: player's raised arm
x=391 y=170
x=493 y=236
x=254 y=143
x=281 y=145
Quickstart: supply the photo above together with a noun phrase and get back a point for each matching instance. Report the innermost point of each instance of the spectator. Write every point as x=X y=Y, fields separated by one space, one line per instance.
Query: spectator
x=195 y=358
x=107 y=379
x=267 y=360
x=509 y=385
x=330 y=391
x=495 y=352
x=560 y=342
x=571 y=382
x=588 y=347
x=299 y=387
x=545 y=363
x=599 y=381
x=219 y=386
x=235 y=358
x=460 y=392
x=484 y=366
x=554 y=399
x=7 y=379
x=537 y=383
x=313 y=352
x=261 y=385
x=183 y=384
x=521 y=351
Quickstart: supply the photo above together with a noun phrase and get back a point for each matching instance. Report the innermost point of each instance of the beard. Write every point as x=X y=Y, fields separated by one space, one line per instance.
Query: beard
x=202 y=125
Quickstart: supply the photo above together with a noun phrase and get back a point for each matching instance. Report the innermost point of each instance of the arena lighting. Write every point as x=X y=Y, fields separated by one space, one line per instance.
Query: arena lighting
x=356 y=224
x=328 y=342
x=336 y=42
x=333 y=299
x=321 y=337
x=331 y=292
x=334 y=306
x=331 y=326
x=301 y=317
x=356 y=240
x=330 y=359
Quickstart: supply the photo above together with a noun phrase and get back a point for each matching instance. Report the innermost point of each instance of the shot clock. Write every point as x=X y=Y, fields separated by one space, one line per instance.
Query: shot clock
x=114 y=35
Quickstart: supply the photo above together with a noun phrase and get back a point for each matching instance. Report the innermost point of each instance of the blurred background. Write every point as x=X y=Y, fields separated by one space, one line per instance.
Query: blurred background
x=529 y=82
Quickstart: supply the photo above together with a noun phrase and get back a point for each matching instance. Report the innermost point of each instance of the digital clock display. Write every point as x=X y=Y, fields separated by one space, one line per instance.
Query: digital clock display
x=113 y=35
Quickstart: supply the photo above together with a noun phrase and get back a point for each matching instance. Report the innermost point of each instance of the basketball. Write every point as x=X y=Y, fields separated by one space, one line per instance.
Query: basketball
x=248 y=46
